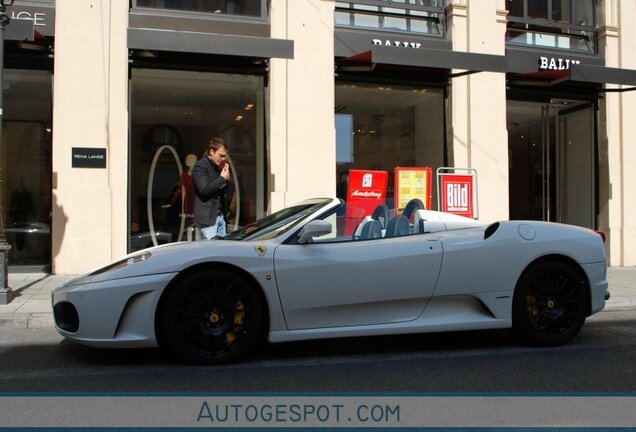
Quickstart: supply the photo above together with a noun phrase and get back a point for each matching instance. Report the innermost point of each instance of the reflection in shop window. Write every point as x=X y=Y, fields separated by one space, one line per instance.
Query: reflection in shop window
x=584 y=13
x=174 y=115
x=230 y=7
x=380 y=127
x=344 y=137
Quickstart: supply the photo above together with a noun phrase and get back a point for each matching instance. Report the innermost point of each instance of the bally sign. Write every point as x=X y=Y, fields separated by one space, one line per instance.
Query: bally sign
x=457 y=194
x=396 y=43
x=552 y=63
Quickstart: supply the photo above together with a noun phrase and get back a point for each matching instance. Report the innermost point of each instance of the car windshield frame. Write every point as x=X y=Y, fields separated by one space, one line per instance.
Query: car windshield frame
x=279 y=222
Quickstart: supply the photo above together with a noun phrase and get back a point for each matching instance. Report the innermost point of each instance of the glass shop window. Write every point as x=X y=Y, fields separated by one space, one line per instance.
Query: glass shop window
x=409 y=16
x=559 y=24
x=380 y=127
x=174 y=114
x=253 y=8
x=27 y=166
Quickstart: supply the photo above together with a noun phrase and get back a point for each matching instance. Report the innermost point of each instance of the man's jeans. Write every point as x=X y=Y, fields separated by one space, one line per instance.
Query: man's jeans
x=218 y=229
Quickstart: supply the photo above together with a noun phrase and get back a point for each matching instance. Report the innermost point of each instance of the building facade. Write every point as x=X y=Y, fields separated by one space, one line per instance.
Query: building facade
x=109 y=102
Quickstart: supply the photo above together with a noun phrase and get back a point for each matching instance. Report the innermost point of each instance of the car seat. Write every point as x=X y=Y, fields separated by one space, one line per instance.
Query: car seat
x=371 y=230
x=412 y=206
x=382 y=214
x=398 y=226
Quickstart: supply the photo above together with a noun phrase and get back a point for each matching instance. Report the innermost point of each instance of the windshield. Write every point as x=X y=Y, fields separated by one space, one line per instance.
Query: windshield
x=277 y=223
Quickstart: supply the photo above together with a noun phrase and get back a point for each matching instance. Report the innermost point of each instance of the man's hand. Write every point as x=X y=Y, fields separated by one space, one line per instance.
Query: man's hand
x=225 y=172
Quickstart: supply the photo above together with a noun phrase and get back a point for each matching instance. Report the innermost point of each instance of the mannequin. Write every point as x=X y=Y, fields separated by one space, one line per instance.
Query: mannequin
x=187 y=196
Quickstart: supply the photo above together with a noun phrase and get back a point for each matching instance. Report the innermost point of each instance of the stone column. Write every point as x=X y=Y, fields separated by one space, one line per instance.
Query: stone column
x=89 y=206
x=302 y=128
x=617 y=154
x=478 y=135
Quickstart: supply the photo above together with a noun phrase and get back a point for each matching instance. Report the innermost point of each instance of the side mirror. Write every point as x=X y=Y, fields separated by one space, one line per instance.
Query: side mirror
x=315 y=228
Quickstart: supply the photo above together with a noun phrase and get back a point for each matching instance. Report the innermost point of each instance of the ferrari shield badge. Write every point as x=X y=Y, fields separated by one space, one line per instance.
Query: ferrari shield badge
x=260 y=250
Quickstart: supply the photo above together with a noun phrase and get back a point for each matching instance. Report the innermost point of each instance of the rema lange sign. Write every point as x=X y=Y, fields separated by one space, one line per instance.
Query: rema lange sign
x=87 y=157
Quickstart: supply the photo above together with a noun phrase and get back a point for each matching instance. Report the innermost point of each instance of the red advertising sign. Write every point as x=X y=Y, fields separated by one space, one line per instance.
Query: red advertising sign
x=366 y=191
x=456 y=194
x=412 y=183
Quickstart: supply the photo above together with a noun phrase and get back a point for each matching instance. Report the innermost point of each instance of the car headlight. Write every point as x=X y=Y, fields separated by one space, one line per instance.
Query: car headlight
x=143 y=256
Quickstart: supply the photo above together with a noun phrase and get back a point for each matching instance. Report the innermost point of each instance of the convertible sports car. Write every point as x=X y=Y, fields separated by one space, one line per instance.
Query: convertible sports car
x=299 y=274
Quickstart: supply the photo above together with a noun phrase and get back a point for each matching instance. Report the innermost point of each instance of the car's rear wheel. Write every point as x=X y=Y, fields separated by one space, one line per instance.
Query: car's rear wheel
x=549 y=305
x=212 y=317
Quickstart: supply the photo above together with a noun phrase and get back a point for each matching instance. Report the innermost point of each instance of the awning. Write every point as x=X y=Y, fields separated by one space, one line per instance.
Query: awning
x=601 y=74
x=209 y=43
x=524 y=67
x=430 y=58
x=19 y=30
x=577 y=73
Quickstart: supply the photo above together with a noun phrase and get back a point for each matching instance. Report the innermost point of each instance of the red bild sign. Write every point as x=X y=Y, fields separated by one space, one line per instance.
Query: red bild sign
x=457 y=194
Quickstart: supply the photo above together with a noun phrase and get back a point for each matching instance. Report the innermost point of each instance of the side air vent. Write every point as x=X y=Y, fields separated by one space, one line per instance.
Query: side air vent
x=491 y=230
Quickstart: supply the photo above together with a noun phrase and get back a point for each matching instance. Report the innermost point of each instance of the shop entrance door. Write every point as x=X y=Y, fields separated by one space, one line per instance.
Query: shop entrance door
x=551 y=161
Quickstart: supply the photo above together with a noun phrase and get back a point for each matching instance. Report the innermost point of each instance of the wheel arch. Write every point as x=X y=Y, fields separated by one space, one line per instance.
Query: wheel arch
x=564 y=260
x=211 y=266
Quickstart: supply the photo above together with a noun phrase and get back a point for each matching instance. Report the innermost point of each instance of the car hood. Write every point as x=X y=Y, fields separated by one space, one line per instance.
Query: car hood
x=174 y=257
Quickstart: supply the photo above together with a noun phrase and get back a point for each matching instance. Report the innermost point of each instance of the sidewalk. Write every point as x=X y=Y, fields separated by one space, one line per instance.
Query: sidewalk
x=31 y=304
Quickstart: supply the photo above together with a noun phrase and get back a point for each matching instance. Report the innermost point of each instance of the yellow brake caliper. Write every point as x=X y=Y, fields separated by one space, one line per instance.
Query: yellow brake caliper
x=533 y=310
x=239 y=315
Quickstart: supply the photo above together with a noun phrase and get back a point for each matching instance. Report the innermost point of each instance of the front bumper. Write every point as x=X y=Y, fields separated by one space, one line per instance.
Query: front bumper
x=113 y=313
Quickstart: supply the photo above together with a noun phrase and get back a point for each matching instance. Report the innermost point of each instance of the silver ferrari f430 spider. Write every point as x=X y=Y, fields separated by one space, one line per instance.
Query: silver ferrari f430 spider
x=305 y=272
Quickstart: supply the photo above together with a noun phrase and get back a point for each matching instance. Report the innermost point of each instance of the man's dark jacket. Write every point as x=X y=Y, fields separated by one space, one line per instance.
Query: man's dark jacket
x=209 y=188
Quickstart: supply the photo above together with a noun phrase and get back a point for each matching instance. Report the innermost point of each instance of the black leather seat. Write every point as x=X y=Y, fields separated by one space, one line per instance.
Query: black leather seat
x=371 y=230
x=382 y=214
x=397 y=226
x=412 y=206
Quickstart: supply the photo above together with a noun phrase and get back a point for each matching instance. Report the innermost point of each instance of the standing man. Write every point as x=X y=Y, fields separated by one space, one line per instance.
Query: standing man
x=210 y=178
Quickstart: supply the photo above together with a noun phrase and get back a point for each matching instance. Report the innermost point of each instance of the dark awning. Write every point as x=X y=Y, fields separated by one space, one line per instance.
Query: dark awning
x=19 y=30
x=603 y=75
x=431 y=58
x=577 y=73
x=529 y=67
x=209 y=43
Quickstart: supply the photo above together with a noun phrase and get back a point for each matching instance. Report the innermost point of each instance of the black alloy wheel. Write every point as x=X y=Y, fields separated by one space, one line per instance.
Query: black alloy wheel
x=212 y=317
x=550 y=304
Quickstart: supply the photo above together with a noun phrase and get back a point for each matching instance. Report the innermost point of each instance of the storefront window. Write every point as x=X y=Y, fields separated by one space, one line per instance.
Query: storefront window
x=26 y=166
x=560 y=24
x=254 y=8
x=584 y=13
x=381 y=127
x=561 y=10
x=174 y=114
x=538 y=9
x=551 y=161
x=426 y=17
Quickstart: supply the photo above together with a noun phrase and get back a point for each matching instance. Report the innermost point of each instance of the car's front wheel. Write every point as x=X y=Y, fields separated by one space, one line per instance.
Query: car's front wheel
x=549 y=305
x=211 y=317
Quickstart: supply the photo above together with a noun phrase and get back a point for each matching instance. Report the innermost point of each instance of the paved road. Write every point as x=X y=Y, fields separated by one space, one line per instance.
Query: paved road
x=599 y=360
x=35 y=358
